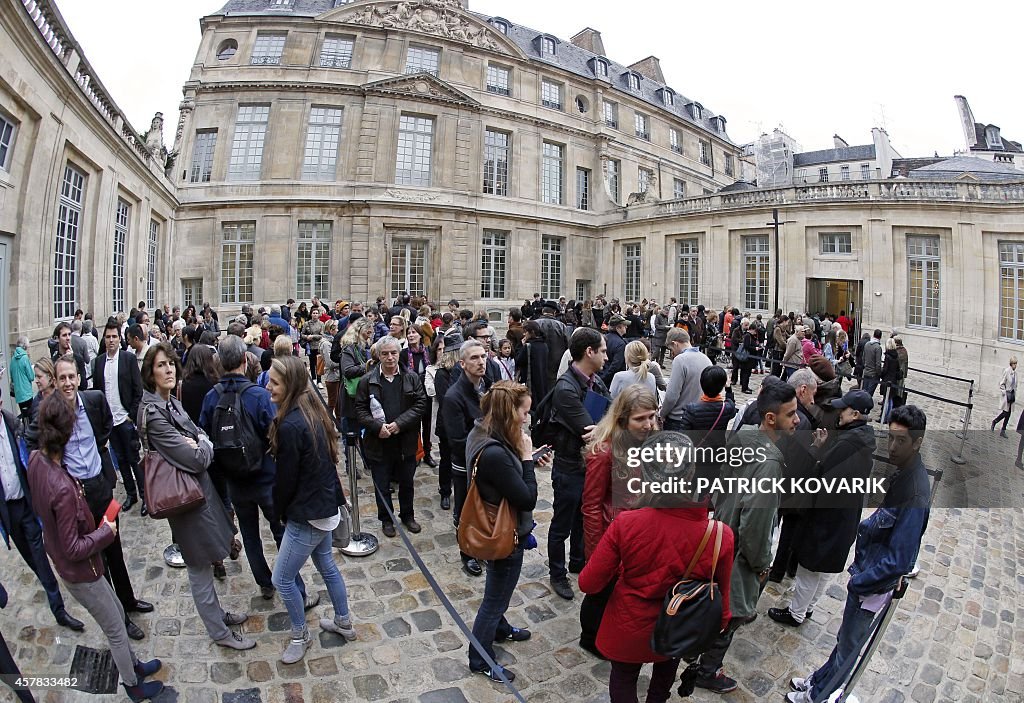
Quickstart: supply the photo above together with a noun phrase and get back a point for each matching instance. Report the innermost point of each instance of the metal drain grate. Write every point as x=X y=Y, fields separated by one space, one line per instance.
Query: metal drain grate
x=94 y=670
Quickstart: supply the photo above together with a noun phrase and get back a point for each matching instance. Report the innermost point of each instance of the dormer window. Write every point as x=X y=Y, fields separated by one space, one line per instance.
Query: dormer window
x=696 y=111
x=600 y=67
x=547 y=46
x=668 y=97
x=501 y=25
x=993 y=138
x=633 y=82
x=720 y=124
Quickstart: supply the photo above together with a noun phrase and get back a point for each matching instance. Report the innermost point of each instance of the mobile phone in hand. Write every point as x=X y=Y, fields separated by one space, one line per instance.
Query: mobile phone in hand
x=112 y=510
x=541 y=452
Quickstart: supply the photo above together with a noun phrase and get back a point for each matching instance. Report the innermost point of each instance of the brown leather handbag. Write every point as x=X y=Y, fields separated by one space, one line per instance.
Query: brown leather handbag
x=169 y=490
x=486 y=532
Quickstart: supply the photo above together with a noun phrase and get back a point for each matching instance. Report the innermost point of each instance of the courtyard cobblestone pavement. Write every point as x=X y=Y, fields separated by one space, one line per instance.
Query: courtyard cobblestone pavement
x=955 y=636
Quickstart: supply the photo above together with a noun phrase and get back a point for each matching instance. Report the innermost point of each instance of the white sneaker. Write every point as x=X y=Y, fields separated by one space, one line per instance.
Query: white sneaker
x=799 y=684
x=799 y=697
x=914 y=572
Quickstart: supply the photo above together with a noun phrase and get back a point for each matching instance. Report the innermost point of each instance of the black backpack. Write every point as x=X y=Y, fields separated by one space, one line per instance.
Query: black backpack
x=237 y=448
x=336 y=348
x=691 y=616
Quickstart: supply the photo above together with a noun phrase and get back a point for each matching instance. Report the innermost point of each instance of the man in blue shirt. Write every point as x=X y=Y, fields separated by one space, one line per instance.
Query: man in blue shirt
x=87 y=457
x=887 y=546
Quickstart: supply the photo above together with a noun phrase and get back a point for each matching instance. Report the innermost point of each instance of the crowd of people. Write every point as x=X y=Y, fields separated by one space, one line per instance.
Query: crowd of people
x=571 y=386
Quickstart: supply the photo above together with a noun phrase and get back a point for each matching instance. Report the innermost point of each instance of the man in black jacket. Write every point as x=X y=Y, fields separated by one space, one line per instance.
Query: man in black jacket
x=556 y=336
x=116 y=374
x=616 y=348
x=18 y=521
x=800 y=463
x=390 y=402
x=87 y=458
x=460 y=410
x=574 y=426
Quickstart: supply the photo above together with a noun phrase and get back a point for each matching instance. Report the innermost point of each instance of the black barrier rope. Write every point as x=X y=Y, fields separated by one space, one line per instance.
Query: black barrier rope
x=942 y=375
x=434 y=585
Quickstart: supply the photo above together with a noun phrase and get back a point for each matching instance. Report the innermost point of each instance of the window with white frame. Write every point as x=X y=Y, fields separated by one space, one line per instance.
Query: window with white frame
x=923 y=281
x=65 y=248
x=498 y=79
x=336 y=52
x=1011 y=291
x=696 y=111
x=612 y=168
x=582 y=289
x=423 y=59
x=152 y=249
x=678 y=188
x=582 y=188
x=415 y=144
x=642 y=125
x=755 y=272
x=550 y=267
x=844 y=173
x=632 y=259
x=836 y=242
x=192 y=291
x=689 y=270
x=322 y=137
x=547 y=46
x=730 y=167
x=247 y=147
x=668 y=97
x=705 y=152
x=634 y=82
x=408 y=268
x=500 y=26
x=236 y=268
x=551 y=94
x=675 y=140
x=493 y=257
x=6 y=141
x=121 y=220
x=611 y=114
x=313 y=262
x=823 y=174
x=643 y=179
x=268 y=48
x=600 y=68
x=865 y=172
x=552 y=175
x=496 y=155
x=202 y=156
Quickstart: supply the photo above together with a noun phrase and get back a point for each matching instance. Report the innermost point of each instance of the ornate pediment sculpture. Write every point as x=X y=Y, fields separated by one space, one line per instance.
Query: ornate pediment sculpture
x=443 y=18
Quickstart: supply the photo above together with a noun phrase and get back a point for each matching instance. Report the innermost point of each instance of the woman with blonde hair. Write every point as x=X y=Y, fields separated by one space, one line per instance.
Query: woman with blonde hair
x=501 y=454
x=307 y=494
x=639 y=369
x=631 y=418
x=1007 y=395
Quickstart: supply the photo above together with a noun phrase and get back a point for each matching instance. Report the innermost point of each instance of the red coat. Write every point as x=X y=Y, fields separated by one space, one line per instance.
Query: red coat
x=597 y=499
x=649 y=549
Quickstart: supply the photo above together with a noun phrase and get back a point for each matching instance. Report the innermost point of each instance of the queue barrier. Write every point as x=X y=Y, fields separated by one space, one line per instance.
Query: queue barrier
x=414 y=553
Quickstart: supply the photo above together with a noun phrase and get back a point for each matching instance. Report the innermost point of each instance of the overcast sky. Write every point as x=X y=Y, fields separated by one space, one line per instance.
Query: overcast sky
x=815 y=68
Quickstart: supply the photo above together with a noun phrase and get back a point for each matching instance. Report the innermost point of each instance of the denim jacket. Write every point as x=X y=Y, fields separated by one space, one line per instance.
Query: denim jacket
x=888 y=541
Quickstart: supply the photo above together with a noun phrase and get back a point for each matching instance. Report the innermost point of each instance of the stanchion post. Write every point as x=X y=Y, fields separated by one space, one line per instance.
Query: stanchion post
x=361 y=544
x=959 y=458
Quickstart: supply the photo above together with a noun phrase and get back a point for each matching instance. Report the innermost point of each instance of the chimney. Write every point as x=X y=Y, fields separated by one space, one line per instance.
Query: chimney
x=649 y=68
x=838 y=142
x=589 y=40
x=966 y=121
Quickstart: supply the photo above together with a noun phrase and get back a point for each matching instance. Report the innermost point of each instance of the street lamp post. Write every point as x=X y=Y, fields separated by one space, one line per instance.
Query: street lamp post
x=775 y=259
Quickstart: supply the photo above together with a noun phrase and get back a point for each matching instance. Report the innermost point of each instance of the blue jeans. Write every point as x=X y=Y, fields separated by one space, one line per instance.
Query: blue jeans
x=869 y=385
x=490 y=624
x=302 y=540
x=852 y=634
x=249 y=501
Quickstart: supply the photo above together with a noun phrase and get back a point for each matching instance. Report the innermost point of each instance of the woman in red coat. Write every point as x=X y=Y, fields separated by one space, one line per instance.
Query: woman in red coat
x=629 y=421
x=648 y=549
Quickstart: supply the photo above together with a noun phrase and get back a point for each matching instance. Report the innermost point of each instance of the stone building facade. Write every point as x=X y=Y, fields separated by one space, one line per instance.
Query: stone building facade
x=374 y=147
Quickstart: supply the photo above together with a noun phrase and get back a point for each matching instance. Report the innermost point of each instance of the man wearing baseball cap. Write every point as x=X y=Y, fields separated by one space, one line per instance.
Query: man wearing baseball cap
x=830 y=524
x=617 y=325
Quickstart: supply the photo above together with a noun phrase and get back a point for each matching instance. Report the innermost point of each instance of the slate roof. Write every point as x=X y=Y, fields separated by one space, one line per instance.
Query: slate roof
x=979 y=132
x=864 y=152
x=568 y=56
x=903 y=167
x=738 y=187
x=983 y=169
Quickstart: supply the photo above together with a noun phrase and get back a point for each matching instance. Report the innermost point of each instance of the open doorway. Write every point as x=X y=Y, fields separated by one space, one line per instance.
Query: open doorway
x=836 y=296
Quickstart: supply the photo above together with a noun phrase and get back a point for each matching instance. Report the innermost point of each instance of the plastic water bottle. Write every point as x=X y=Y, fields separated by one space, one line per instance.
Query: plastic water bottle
x=377 y=410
